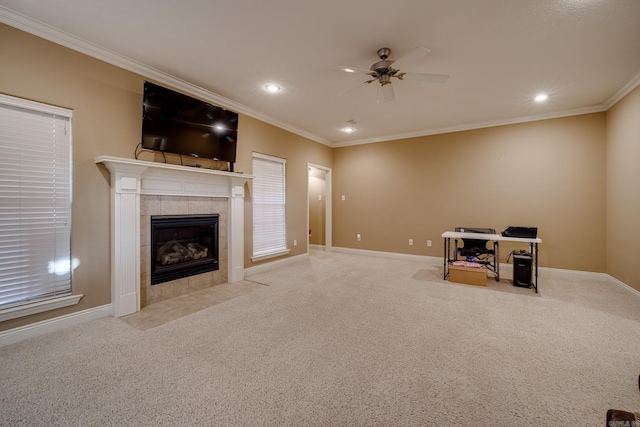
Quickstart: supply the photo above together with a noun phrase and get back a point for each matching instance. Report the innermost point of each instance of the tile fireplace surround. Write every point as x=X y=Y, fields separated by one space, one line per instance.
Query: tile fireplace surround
x=133 y=180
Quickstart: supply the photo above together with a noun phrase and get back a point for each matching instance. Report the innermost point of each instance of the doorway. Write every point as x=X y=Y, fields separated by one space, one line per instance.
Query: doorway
x=318 y=207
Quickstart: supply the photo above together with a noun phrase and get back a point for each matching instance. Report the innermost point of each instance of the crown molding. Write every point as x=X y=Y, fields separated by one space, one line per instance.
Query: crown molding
x=630 y=85
x=62 y=38
x=566 y=113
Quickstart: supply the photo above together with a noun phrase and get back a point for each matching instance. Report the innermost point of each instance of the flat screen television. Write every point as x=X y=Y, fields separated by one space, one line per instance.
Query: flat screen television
x=177 y=123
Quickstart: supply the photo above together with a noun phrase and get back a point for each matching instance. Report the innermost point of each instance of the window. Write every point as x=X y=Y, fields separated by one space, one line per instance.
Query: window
x=35 y=207
x=269 y=222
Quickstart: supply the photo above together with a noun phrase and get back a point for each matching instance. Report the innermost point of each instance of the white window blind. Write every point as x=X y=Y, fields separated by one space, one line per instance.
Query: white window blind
x=35 y=202
x=269 y=203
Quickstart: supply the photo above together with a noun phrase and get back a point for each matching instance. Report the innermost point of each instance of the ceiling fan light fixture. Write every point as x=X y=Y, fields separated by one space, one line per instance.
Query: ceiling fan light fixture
x=384 y=70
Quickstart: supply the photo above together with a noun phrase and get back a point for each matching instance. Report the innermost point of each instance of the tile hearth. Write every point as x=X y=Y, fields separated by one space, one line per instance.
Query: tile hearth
x=173 y=309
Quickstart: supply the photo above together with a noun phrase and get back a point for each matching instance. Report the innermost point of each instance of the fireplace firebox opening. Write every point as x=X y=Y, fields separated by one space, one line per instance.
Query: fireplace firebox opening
x=182 y=246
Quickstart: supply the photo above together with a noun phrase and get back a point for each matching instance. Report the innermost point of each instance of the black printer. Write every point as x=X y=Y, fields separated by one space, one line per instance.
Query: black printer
x=520 y=232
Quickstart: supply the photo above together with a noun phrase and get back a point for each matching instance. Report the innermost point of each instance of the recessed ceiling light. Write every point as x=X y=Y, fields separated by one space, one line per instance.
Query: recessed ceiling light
x=349 y=70
x=350 y=126
x=272 y=88
x=541 y=97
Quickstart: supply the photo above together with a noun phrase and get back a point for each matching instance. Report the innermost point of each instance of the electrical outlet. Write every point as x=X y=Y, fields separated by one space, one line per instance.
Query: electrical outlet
x=344 y=197
x=429 y=243
x=358 y=237
x=295 y=242
x=410 y=242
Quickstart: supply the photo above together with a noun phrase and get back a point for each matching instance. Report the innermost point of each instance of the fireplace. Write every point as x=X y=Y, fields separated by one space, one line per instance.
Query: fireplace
x=182 y=246
x=141 y=189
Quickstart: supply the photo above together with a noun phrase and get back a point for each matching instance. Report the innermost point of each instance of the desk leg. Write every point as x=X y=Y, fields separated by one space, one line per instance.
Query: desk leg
x=496 y=249
x=535 y=246
x=446 y=258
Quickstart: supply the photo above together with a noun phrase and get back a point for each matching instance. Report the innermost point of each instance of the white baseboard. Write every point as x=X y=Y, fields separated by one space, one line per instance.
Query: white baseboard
x=613 y=280
x=506 y=270
x=270 y=265
x=559 y=273
x=21 y=333
x=432 y=260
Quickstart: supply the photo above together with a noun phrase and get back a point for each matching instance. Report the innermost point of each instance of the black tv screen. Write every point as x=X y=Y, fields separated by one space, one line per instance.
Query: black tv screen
x=180 y=124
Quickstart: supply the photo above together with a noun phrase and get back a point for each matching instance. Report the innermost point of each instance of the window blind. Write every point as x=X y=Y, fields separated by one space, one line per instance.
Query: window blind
x=35 y=202
x=269 y=203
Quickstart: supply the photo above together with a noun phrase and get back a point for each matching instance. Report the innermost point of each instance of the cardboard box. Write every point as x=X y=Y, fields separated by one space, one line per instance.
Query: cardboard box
x=469 y=275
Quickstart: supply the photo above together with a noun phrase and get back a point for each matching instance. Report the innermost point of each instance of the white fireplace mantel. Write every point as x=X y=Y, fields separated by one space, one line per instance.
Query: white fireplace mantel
x=131 y=178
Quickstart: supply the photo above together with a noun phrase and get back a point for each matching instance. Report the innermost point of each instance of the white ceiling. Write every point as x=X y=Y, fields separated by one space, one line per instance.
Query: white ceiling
x=499 y=54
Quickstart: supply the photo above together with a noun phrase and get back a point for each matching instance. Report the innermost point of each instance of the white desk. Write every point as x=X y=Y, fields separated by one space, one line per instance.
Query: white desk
x=533 y=246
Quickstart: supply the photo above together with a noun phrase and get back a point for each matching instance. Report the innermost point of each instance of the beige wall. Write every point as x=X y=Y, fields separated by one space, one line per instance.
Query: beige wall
x=549 y=174
x=623 y=189
x=107 y=103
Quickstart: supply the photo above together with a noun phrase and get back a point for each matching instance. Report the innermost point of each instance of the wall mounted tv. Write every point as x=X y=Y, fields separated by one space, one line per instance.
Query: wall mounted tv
x=177 y=123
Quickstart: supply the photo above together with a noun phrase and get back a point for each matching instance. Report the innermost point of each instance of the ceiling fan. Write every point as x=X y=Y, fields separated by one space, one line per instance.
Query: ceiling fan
x=386 y=69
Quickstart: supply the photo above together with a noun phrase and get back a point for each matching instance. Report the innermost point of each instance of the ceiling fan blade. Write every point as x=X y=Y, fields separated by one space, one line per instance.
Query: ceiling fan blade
x=424 y=77
x=351 y=69
x=410 y=57
x=351 y=89
x=388 y=94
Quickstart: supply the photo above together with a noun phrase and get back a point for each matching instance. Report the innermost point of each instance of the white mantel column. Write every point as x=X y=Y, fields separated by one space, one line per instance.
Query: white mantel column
x=236 y=232
x=125 y=238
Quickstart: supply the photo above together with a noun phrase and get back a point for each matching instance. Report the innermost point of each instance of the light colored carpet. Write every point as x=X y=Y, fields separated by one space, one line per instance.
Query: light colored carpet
x=344 y=340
